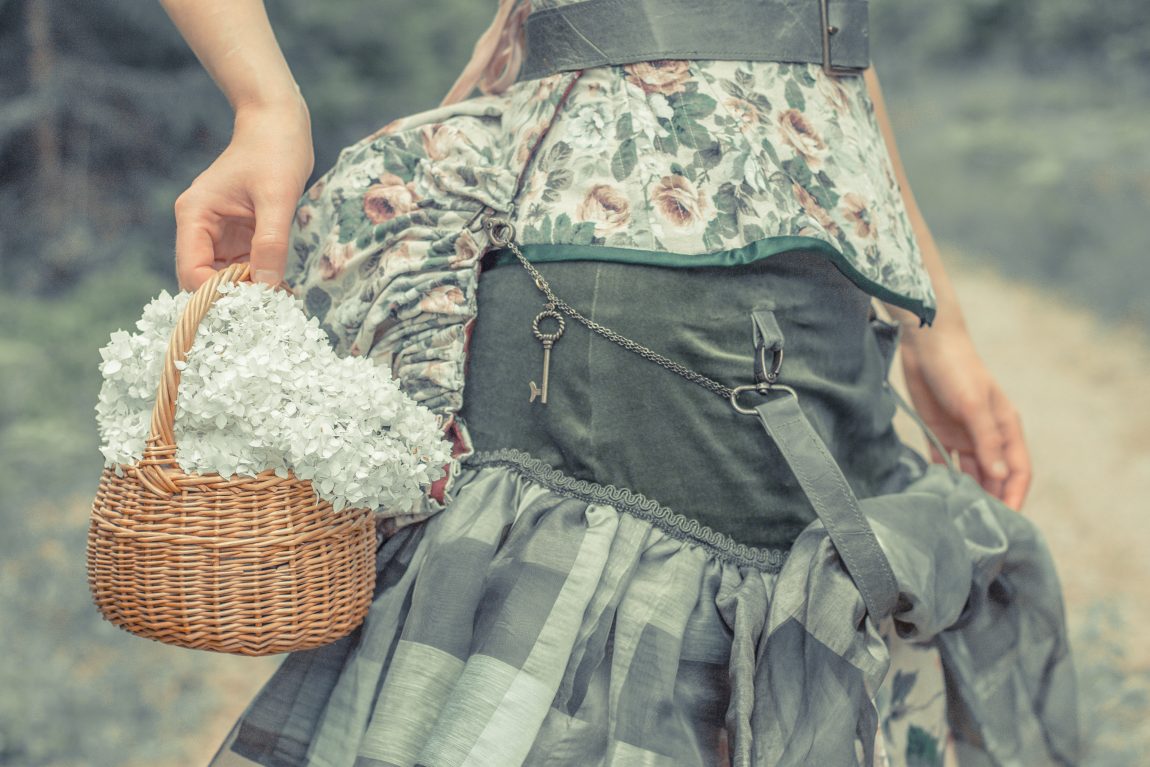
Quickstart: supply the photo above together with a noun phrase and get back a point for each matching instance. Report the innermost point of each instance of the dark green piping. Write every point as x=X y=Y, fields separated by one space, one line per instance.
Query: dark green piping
x=546 y=252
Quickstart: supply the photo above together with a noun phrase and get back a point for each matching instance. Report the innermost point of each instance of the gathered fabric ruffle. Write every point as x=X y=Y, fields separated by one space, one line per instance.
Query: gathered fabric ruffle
x=539 y=620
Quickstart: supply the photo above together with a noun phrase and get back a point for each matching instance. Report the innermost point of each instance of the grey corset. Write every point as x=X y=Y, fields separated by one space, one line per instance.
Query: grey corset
x=615 y=418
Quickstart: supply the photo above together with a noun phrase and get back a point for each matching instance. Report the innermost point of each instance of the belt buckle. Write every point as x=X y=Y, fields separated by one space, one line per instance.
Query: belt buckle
x=827 y=31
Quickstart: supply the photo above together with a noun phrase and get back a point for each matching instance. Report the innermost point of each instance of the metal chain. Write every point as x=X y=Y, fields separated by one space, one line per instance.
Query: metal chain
x=502 y=232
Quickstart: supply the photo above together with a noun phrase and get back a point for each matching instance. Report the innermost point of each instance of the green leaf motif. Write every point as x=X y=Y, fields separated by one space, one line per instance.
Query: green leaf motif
x=624 y=161
x=317 y=302
x=667 y=143
x=821 y=196
x=710 y=154
x=560 y=178
x=798 y=170
x=584 y=233
x=467 y=175
x=725 y=201
x=563 y=228
x=733 y=89
x=922 y=748
x=623 y=129
x=557 y=157
x=900 y=688
x=393 y=163
x=769 y=149
x=349 y=214
x=794 y=96
x=540 y=232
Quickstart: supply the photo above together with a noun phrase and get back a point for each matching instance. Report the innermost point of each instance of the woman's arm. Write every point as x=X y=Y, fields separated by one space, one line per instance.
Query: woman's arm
x=947 y=380
x=234 y=41
x=241 y=207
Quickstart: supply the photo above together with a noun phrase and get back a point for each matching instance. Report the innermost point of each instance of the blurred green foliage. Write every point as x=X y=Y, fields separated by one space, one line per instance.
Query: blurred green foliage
x=1022 y=125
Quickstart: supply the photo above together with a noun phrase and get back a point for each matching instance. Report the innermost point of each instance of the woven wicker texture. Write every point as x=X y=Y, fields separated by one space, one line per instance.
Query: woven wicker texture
x=246 y=565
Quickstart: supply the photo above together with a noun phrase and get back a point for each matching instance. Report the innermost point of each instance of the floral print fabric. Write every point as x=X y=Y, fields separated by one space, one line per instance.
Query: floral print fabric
x=680 y=157
x=695 y=157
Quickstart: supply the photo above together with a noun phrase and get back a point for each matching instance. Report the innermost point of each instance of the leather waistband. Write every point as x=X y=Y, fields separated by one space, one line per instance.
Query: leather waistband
x=601 y=32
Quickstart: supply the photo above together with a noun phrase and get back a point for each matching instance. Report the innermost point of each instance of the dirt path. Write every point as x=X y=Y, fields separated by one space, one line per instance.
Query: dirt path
x=1081 y=391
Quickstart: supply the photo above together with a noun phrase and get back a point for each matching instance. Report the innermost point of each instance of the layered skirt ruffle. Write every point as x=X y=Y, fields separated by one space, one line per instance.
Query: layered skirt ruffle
x=543 y=620
x=539 y=620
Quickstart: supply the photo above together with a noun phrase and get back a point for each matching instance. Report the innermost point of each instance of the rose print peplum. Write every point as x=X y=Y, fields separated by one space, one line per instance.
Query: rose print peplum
x=679 y=163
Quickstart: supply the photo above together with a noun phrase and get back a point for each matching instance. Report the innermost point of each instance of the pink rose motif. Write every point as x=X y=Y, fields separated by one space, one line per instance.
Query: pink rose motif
x=797 y=132
x=665 y=76
x=607 y=207
x=744 y=111
x=680 y=203
x=528 y=142
x=832 y=90
x=815 y=211
x=856 y=210
x=439 y=140
x=389 y=198
x=466 y=251
x=443 y=299
x=303 y=215
x=545 y=87
x=400 y=259
x=316 y=189
x=334 y=257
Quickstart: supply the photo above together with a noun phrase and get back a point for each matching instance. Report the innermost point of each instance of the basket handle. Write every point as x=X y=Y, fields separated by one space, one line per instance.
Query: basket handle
x=159 y=460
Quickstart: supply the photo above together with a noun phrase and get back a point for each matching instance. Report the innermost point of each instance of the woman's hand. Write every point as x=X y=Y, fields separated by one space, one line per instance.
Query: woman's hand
x=241 y=207
x=955 y=394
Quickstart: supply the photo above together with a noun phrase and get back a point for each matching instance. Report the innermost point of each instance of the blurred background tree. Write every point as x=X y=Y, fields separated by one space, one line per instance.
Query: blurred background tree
x=1022 y=123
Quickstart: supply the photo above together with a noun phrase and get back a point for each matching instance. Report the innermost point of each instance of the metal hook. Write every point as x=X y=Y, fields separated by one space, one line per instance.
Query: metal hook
x=759 y=388
x=769 y=376
x=500 y=230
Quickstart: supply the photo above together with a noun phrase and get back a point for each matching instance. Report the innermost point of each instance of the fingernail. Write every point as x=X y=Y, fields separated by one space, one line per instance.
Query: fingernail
x=999 y=469
x=267 y=275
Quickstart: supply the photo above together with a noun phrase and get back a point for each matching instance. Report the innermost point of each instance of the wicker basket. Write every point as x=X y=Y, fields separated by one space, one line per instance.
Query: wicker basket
x=247 y=565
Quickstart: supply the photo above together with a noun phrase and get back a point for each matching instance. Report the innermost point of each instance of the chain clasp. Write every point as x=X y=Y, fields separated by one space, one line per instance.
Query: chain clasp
x=758 y=388
x=500 y=230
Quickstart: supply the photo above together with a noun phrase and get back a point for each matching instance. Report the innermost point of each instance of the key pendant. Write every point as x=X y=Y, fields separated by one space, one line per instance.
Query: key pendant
x=548 y=340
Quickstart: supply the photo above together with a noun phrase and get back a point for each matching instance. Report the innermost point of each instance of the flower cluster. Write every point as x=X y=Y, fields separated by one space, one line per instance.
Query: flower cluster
x=262 y=388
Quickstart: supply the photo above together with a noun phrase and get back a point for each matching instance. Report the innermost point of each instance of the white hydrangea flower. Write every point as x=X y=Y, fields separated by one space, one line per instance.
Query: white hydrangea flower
x=262 y=388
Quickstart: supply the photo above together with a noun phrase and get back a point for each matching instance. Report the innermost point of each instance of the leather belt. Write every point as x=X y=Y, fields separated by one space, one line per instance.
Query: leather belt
x=595 y=33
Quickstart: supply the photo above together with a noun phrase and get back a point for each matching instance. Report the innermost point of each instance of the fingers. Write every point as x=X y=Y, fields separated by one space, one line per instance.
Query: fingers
x=274 y=214
x=992 y=468
x=1017 y=456
x=195 y=249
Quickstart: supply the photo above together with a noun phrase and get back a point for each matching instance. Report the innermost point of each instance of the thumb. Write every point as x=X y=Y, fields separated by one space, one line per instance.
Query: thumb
x=271 y=238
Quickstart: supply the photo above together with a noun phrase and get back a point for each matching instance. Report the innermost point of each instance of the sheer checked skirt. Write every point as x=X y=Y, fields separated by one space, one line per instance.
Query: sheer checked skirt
x=595 y=589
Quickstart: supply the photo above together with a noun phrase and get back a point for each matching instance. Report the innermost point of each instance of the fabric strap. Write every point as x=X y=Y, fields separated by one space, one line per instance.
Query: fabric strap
x=598 y=32
x=825 y=485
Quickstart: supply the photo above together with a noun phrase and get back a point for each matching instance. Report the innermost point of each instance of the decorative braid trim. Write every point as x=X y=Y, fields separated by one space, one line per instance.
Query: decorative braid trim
x=670 y=522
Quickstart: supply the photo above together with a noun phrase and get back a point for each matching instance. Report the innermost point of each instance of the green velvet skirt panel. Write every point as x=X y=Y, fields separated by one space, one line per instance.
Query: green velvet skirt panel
x=615 y=418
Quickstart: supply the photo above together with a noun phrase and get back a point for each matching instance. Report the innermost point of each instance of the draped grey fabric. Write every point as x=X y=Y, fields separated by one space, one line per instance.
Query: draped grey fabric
x=541 y=620
x=976 y=578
